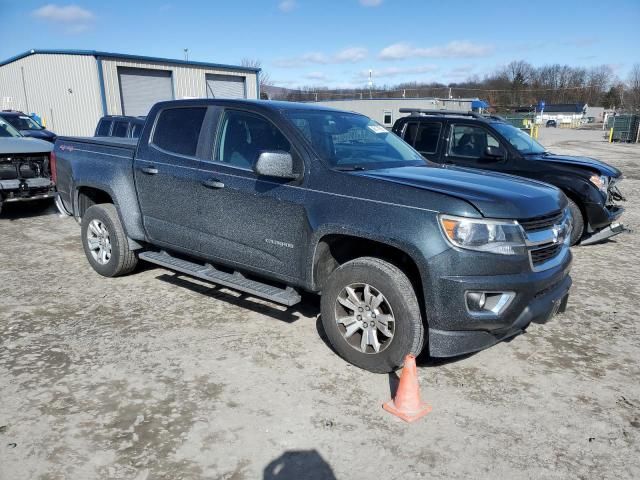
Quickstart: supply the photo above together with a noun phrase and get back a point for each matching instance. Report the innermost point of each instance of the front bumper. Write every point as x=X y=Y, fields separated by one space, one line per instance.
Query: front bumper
x=600 y=216
x=27 y=189
x=539 y=295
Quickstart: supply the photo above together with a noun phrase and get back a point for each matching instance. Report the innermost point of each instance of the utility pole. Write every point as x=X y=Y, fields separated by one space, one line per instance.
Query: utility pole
x=186 y=54
x=370 y=83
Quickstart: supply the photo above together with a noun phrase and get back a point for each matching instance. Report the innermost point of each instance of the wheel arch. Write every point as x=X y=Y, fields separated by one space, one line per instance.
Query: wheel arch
x=336 y=248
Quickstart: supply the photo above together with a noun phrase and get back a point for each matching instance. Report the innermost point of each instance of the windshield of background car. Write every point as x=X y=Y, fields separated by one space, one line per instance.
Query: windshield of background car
x=351 y=141
x=23 y=122
x=7 y=130
x=519 y=139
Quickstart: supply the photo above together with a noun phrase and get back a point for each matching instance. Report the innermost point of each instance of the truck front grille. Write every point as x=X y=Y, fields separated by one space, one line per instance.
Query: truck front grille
x=541 y=255
x=541 y=223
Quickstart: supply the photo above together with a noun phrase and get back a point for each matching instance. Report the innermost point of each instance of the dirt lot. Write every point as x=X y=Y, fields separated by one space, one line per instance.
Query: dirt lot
x=154 y=376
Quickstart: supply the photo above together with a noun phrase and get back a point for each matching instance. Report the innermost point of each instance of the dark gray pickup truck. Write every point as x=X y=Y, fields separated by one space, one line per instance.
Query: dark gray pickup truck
x=270 y=198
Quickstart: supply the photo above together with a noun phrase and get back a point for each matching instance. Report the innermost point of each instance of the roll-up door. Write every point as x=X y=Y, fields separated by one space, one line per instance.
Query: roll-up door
x=141 y=88
x=225 y=86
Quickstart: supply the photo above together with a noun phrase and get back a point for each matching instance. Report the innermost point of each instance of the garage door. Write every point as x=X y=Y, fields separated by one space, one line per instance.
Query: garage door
x=141 y=88
x=225 y=86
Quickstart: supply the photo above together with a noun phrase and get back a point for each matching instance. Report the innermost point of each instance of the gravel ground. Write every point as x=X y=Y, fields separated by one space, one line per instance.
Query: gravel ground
x=154 y=376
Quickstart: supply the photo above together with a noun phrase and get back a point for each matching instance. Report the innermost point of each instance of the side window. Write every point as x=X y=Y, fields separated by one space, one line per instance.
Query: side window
x=120 y=129
x=244 y=136
x=470 y=141
x=428 y=137
x=103 y=128
x=410 y=133
x=177 y=129
x=136 y=130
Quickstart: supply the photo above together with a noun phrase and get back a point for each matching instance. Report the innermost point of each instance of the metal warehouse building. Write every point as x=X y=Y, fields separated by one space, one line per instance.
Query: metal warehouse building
x=71 y=89
x=387 y=110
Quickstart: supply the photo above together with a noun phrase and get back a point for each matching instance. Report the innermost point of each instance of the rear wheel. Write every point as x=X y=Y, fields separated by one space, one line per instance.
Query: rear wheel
x=105 y=243
x=577 y=222
x=371 y=315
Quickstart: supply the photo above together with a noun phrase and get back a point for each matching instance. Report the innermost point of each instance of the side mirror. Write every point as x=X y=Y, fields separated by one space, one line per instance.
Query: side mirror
x=495 y=153
x=277 y=164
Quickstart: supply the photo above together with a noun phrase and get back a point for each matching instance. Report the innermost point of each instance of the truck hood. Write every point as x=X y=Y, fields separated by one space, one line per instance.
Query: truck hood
x=494 y=195
x=585 y=162
x=16 y=145
x=42 y=134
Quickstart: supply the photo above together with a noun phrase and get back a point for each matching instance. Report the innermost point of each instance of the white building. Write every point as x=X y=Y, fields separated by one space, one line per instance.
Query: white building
x=71 y=89
x=387 y=110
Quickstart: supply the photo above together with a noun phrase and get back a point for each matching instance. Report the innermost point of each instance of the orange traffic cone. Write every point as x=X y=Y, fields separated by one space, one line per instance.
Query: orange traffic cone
x=407 y=403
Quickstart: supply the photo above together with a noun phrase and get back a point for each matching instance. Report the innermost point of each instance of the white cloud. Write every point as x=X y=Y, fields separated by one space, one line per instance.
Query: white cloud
x=64 y=14
x=370 y=3
x=390 y=72
x=455 y=49
x=316 y=76
x=72 y=18
x=347 y=55
x=287 y=5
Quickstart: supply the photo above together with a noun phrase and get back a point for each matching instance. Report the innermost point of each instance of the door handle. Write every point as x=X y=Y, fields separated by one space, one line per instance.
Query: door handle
x=213 y=183
x=149 y=170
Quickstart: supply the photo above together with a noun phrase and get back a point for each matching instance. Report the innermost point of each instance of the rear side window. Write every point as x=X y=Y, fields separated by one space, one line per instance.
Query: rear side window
x=178 y=129
x=136 y=130
x=427 y=137
x=103 y=128
x=120 y=129
x=410 y=133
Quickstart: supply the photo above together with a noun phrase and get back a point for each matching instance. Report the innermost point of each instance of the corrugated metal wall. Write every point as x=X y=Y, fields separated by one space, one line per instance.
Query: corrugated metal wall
x=61 y=89
x=375 y=108
x=188 y=81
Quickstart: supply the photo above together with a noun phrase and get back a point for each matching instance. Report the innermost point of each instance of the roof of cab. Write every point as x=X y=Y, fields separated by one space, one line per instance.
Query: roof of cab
x=263 y=104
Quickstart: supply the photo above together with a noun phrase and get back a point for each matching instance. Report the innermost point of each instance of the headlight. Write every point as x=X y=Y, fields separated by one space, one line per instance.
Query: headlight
x=601 y=182
x=493 y=236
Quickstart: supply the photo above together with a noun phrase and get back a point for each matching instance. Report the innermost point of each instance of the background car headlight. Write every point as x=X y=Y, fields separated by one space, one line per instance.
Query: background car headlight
x=601 y=182
x=493 y=236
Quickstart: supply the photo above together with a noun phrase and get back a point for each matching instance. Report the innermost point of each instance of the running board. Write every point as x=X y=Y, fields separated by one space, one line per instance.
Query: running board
x=285 y=296
x=608 y=232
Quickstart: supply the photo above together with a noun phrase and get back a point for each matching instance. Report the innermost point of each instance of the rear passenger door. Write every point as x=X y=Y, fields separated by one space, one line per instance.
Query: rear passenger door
x=256 y=222
x=165 y=169
x=425 y=137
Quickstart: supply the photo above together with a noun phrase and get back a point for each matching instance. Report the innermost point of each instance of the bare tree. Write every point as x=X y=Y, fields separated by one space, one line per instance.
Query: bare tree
x=265 y=77
x=634 y=87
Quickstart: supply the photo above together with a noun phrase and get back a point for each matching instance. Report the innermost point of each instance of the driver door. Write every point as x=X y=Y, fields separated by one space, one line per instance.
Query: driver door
x=467 y=147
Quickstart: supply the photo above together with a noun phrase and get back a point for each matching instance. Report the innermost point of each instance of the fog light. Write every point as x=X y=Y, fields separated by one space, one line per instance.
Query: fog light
x=488 y=303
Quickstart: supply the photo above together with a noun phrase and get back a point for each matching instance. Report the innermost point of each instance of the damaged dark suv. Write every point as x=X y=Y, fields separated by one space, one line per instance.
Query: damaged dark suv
x=487 y=142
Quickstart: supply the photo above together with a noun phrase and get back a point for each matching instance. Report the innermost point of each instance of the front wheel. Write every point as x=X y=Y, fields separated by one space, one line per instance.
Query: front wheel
x=105 y=243
x=371 y=315
x=577 y=222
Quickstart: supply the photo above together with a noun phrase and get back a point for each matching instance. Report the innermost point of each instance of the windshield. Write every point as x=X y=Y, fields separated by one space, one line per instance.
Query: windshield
x=520 y=140
x=348 y=141
x=22 y=122
x=7 y=130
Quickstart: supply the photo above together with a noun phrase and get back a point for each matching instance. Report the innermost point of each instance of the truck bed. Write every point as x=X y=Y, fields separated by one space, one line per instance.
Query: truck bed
x=125 y=143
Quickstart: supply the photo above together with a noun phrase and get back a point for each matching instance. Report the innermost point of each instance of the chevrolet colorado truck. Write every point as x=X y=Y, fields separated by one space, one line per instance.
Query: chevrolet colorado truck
x=270 y=198
x=487 y=142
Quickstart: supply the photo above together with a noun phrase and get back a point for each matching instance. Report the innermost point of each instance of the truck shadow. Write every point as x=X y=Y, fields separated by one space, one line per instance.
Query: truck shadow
x=297 y=465
x=18 y=210
x=308 y=307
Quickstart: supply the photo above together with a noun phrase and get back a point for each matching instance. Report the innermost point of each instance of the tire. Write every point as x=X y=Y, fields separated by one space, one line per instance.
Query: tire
x=121 y=259
x=400 y=300
x=577 y=223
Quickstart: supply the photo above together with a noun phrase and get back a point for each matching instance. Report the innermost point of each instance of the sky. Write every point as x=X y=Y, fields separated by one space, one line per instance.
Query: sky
x=335 y=43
